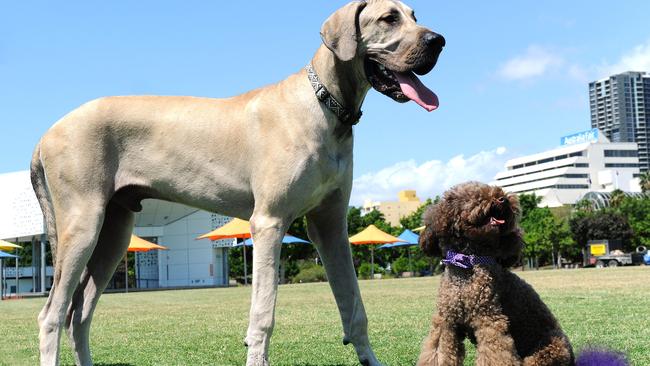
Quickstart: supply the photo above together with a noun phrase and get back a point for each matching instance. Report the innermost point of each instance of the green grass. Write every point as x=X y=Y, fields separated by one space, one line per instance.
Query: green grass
x=608 y=307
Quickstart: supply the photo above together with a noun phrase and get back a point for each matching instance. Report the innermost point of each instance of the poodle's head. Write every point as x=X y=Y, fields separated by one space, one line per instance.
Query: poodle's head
x=474 y=219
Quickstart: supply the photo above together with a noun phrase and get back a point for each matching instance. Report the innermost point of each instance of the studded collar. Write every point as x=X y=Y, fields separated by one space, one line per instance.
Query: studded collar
x=328 y=99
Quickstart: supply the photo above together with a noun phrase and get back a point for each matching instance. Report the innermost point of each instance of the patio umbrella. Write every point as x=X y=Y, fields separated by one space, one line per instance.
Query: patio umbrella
x=418 y=229
x=5 y=245
x=287 y=239
x=410 y=238
x=235 y=229
x=137 y=244
x=2 y=287
x=372 y=235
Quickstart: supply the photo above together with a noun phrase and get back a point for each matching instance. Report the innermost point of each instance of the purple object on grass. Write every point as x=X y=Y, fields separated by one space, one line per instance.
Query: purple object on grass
x=601 y=357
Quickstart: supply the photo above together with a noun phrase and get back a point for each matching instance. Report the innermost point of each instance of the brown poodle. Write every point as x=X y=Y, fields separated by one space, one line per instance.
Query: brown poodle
x=475 y=225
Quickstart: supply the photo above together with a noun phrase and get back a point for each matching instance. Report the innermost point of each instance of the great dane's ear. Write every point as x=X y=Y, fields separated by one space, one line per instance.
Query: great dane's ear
x=339 y=32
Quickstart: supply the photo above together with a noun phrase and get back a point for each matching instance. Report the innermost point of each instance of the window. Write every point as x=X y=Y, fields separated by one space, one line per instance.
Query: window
x=621 y=153
x=621 y=165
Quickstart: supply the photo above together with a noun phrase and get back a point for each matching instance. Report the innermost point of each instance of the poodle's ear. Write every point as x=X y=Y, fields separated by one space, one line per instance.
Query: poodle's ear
x=429 y=241
x=511 y=246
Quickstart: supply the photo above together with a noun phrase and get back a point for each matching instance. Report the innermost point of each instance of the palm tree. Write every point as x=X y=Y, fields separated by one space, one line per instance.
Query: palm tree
x=644 y=181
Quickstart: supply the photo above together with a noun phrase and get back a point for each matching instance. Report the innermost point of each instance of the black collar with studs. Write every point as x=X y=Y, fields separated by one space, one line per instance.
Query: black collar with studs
x=328 y=99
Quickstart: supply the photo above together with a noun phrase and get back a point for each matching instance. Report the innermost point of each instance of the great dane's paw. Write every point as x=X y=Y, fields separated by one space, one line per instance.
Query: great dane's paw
x=367 y=362
x=367 y=358
x=257 y=360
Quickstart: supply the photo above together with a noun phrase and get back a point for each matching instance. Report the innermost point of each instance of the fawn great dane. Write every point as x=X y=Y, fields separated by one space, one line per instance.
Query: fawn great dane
x=289 y=154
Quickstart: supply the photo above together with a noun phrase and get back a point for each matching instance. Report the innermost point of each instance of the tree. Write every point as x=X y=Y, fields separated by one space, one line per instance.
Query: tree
x=644 y=181
x=637 y=212
x=546 y=237
x=605 y=224
x=616 y=198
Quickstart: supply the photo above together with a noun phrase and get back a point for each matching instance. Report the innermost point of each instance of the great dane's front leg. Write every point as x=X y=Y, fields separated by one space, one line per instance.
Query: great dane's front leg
x=267 y=235
x=328 y=229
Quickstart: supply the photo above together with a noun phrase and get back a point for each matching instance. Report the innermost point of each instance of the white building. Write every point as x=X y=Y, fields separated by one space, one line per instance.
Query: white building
x=188 y=262
x=586 y=161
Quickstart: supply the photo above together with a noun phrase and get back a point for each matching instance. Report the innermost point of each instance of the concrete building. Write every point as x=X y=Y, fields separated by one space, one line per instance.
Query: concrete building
x=620 y=108
x=188 y=262
x=407 y=202
x=586 y=161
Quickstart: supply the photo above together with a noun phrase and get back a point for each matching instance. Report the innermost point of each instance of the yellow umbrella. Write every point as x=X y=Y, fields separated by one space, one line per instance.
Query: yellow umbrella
x=8 y=246
x=137 y=244
x=418 y=229
x=372 y=235
x=235 y=229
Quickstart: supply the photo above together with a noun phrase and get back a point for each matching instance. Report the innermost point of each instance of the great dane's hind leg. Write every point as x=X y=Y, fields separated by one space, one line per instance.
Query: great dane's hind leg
x=327 y=228
x=77 y=236
x=267 y=236
x=112 y=243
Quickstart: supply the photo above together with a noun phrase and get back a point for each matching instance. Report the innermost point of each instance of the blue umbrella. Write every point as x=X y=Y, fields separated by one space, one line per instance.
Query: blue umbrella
x=409 y=237
x=4 y=255
x=7 y=255
x=288 y=239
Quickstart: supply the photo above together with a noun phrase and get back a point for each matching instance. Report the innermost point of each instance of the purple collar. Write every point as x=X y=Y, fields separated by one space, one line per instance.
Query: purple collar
x=466 y=261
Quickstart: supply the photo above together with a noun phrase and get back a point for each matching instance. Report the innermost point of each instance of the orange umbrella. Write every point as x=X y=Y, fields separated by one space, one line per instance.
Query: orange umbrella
x=235 y=229
x=138 y=244
x=372 y=235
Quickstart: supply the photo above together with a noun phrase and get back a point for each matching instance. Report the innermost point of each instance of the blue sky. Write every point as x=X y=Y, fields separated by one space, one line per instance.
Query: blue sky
x=512 y=79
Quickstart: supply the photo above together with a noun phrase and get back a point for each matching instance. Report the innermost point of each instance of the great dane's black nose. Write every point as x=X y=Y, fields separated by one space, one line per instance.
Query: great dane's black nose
x=433 y=39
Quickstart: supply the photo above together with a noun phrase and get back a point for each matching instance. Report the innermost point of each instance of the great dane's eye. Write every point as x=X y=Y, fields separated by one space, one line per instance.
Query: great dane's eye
x=390 y=18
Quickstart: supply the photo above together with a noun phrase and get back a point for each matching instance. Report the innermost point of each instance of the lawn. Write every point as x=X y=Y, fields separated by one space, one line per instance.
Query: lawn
x=608 y=307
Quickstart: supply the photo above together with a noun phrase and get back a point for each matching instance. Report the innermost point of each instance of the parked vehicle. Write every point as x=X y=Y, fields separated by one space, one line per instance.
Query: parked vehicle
x=608 y=253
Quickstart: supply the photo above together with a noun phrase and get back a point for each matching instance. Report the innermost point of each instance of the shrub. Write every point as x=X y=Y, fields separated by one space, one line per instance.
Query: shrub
x=310 y=273
x=364 y=270
x=400 y=265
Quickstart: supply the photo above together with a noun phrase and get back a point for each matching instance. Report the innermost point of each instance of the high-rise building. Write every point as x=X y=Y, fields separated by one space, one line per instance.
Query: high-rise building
x=620 y=108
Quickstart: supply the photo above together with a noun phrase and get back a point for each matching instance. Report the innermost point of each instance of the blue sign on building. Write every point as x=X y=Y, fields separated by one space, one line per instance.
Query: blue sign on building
x=580 y=137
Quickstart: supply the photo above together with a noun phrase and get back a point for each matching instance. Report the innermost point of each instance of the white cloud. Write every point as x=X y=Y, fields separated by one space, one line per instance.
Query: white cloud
x=638 y=59
x=429 y=178
x=535 y=62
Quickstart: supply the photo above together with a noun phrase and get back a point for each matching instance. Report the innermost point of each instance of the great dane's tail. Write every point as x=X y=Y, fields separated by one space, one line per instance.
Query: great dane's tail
x=39 y=183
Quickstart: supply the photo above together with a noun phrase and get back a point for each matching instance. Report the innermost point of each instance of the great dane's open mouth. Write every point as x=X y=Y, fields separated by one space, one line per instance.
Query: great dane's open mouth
x=402 y=86
x=401 y=83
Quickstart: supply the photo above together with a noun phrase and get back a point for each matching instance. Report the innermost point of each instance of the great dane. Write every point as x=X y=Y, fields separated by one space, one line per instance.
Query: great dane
x=289 y=153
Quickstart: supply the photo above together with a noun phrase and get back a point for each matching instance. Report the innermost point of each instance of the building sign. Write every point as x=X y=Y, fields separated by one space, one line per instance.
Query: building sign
x=580 y=137
x=20 y=213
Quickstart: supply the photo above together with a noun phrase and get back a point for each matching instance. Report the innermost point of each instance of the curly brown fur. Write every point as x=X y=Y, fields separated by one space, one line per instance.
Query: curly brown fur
x=500 y=313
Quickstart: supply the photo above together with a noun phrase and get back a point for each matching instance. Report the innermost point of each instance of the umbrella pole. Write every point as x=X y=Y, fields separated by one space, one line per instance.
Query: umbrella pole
x=245 y=267
x=2 y=286
x=408 y=251
x=16 y=251
x=126 y=273
x=372 y=262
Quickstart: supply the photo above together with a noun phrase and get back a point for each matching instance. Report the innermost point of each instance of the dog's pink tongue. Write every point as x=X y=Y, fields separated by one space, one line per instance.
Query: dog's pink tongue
x=413 y=88
x=495 y=221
